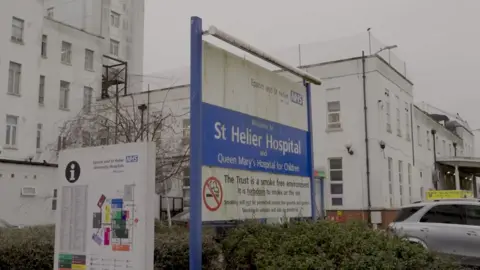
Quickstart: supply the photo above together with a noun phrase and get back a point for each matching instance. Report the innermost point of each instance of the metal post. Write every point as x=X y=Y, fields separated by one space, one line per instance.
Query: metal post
x=196 y=42
x=310 y=151
x=116 y=113
x=365 y=118
x=435 y=183
x=142 y=109
x=457 y=178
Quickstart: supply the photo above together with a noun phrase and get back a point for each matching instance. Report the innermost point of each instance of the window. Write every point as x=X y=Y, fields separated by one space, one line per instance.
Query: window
x=333 y=114
x=407 y=122
x=399 y=128
x=115 y=19
x=336 y=180
x=89 y=59
x=41 y=90
x=12 y=130
x=473 y=215
x=419 y=136
x=39 y=136
x=409 y=175
x=44 y=46
x=400 y=180
x=114 y=47
x=50 y=12
x=390 y=180
x=186 y=177
x=14 y=77
x=387 y=111
x=447 y=214
x=64 y=93
x=54 y=199
x=17 y=29
x=444 y=148
x=66 y=53
x=87 y=99
x=450 y=148
x=405 y=213
x=428 y=140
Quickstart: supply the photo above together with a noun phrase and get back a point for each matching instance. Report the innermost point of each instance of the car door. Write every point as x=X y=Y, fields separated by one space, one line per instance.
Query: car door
x=443 y=226
x=472 y=235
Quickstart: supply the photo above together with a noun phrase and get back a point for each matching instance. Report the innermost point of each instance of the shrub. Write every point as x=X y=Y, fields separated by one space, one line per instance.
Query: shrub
x=323 y=245
x=33 y=248
x=28 y=248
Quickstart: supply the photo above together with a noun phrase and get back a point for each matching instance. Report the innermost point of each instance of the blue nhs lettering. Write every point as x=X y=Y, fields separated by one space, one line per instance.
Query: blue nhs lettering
x=131 y=159
x=296 y=97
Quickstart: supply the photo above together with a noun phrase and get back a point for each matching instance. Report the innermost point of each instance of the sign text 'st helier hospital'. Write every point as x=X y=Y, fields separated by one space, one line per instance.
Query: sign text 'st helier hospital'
x=254 y=140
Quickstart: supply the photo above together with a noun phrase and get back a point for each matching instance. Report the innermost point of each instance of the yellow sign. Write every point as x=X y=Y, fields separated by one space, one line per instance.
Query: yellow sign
x=339 y=213
x=448 y=194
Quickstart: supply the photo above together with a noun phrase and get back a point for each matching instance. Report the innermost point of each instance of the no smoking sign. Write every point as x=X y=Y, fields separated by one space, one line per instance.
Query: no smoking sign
x=212 y=194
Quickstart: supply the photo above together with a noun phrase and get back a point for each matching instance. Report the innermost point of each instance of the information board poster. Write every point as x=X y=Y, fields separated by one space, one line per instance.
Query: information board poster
x=255 y=152
x=105 y=216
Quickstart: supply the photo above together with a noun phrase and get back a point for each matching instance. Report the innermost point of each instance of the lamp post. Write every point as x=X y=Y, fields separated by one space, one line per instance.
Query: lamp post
x=142 y=109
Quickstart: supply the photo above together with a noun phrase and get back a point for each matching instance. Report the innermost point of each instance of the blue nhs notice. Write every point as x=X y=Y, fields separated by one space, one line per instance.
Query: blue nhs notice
x=240 y=141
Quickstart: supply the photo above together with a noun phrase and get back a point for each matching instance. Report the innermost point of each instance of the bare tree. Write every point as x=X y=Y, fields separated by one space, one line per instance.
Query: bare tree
x=130 y=118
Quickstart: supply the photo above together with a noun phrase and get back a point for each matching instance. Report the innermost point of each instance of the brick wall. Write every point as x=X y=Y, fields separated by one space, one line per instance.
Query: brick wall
x=362 y=215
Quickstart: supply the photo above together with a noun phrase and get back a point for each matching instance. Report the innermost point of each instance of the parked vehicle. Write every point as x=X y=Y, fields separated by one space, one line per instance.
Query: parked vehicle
x=450 y=227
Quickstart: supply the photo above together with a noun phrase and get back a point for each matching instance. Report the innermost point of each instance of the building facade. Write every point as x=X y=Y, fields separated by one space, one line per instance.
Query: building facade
x=51 y=72
x=120 y=22
x=376 y=147
x=52 y=67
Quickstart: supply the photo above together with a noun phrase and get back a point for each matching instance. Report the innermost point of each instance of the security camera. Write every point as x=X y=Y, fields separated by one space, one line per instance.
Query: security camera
x=382 y=145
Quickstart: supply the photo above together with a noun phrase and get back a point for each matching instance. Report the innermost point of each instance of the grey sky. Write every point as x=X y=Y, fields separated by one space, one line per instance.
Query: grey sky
x=439 y=39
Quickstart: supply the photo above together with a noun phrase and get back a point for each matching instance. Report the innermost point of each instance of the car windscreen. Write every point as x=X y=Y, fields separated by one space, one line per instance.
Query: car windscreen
x=405 y=213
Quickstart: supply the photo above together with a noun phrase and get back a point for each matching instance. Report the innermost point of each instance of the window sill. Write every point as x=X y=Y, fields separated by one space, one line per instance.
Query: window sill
x=41 y=104
x=66 y=63
x=329 y=130
x=10 y=147
x=19 y=42
x=64 y=109
x=89 y=70
x=44 y=57
x=14 y=94
x=39 y=151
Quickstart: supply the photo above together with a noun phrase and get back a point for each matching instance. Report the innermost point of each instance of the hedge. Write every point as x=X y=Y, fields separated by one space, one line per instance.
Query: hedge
x=321 y=245
x=324 y=245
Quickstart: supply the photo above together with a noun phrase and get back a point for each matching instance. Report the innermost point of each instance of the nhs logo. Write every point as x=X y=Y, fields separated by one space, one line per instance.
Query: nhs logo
x=296 y=97
x=131 y=159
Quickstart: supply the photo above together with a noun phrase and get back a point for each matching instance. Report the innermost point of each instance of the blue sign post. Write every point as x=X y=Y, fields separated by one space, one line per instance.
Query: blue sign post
x=251 y=137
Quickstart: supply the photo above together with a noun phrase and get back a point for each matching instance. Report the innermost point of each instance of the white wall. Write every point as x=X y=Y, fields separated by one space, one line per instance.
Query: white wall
x=94 y=16
x=27 y=210
x=26 y=106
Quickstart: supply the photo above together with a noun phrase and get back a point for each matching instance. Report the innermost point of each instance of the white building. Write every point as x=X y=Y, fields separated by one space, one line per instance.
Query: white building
x=120 y=22
x=28 y=192
x=52 y=70
x=400 y=142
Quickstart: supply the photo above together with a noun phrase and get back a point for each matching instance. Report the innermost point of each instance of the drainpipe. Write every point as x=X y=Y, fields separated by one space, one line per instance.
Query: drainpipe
x=435 y=184
x=411 y=134
x=367 y=158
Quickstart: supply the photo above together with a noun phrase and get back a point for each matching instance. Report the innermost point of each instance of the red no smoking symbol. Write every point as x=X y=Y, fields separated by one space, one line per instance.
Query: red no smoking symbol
x=212 y=194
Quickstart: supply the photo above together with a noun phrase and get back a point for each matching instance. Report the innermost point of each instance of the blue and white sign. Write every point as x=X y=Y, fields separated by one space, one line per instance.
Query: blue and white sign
x=251 y=154
x=254 y=141
x=239 y=141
